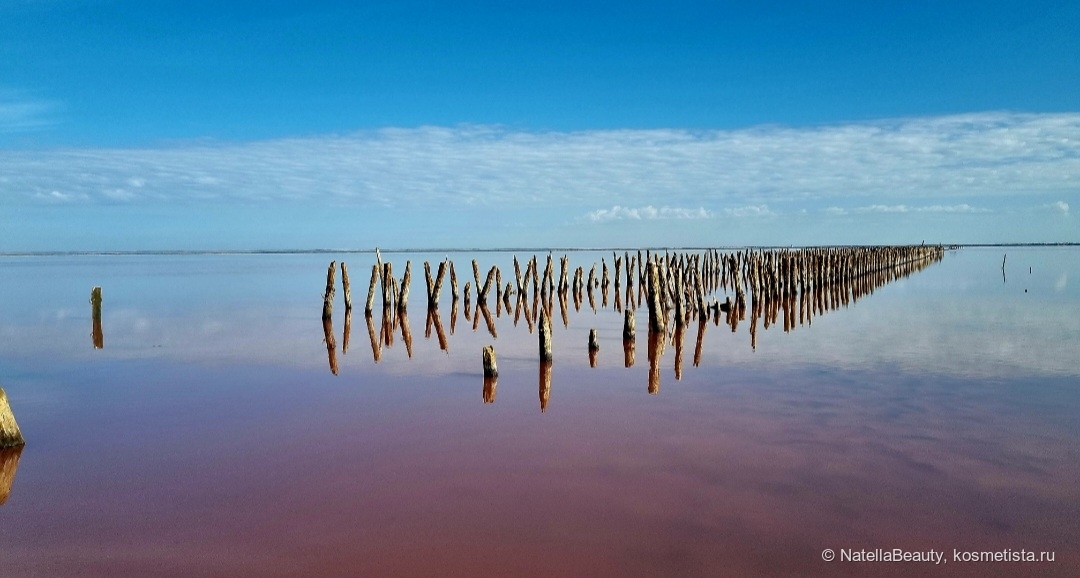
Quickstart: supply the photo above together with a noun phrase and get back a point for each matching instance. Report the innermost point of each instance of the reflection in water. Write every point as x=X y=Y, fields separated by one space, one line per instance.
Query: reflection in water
x=545 y=384
x=435 y=319
x=95 y=313
x=680 y=337
x=347 y=330
x=490 y=385
x=703 y=321
x=9 y=462
x=406 y=333
x=785 y=287
x=376 y=345
x=331 y=346
x=486 y=314
x=656 y=350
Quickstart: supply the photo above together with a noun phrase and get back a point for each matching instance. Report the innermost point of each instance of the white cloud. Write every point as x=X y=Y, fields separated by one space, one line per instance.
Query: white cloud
x=885 y=166
x=961 y=208
x=20 y=111
x=647 y=213
x=1060 y=206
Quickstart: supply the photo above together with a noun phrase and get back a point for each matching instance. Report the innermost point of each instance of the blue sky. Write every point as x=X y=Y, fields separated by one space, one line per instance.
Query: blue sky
x=206 y=125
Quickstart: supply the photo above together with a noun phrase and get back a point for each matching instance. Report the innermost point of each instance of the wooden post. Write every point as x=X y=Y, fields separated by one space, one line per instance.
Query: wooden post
x=10 y=436
x=628 y=328
x=328 y=296
x=387 y=284
x=371 y=289
x=453 y=280
x=345 y=286
x=545 y=334
x=406 y=280
x=95 y=313
x=491 y=369
x=657 y=322
x=482 y=296
x=594 y=347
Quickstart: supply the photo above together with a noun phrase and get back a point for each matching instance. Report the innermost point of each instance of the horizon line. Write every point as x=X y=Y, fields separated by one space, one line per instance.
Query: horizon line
x=324 y=251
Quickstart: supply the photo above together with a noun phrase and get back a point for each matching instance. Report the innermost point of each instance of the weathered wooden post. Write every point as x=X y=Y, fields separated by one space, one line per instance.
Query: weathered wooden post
x=328 y=296
x=491 y=368
x=387 y=284
x=453 y=280
x=482 y=295
x=629 y=325
x=545 y=335
x=406 y=280
x=371 y=289
x=345 y=286
x=96 y=334
x=657 y=321
x=10 y=436
x=594 y=347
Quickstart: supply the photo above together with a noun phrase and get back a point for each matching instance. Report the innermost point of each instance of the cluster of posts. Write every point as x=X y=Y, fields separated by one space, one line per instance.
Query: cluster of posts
x=677 y=289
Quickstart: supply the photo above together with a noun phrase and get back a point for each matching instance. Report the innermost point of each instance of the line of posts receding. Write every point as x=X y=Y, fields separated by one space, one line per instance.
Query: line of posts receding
x=771 y=286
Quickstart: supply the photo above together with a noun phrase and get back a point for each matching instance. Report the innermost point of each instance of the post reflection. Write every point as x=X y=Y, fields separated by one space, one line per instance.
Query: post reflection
x=406 y=332
x=785 y=288
x=545 y=385
x=347 y=330
x=9 y=462
x=490 y=386
x=376 y=345
x=657 y=342
x=331 y=345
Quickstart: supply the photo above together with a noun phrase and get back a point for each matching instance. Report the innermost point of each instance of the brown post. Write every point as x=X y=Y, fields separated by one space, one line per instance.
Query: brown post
x=10 y=436
x=95 y=313
x=406 y=280
x=491 y=369
x=345 y=286
x=545 y=335
x=594 y=347
x=328 y=296
x=657 y=322
x=453 y=281
x=371 y=289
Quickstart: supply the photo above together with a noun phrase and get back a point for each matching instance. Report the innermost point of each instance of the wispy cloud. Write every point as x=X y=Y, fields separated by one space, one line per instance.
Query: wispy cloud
x=1060 y=206
x=19 y=111
x=647 y=213
x=878 y=166
x=961 y=208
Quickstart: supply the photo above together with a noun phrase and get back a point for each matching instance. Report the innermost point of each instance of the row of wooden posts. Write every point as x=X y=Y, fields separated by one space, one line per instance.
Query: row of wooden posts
x=674 y=287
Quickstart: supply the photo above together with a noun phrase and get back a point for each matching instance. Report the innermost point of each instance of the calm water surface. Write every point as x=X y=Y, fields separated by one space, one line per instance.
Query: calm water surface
x=209 y=437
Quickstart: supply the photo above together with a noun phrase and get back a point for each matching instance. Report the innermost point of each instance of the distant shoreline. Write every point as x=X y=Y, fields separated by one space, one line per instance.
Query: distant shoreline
x=178 y=252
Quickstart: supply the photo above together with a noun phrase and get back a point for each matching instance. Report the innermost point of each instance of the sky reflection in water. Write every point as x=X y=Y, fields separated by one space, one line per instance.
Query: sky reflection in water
x=208 y=436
